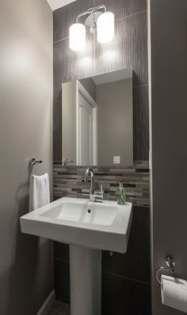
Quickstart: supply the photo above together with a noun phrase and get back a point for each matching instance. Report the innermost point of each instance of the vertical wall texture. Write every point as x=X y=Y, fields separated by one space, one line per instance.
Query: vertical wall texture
x=26 y=65
x=126 y=278
x=169 y=149
x=128 y=50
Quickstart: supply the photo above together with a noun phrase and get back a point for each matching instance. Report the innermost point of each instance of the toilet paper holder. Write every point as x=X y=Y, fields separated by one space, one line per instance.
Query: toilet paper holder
x=168 y=267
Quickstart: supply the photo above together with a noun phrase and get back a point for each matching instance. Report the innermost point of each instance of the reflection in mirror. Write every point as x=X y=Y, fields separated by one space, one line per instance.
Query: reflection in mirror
x=97 y=120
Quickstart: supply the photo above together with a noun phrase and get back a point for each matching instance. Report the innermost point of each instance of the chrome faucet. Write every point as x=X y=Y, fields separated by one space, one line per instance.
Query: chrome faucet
x=94 y=196
x=90 y=173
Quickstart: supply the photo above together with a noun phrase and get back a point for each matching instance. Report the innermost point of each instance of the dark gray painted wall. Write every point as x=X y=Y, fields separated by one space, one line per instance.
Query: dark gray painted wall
x=169 y=132
x=26 y=274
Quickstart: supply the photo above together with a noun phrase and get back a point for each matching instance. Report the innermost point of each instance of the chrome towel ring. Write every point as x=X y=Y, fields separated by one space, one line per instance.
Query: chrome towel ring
x=34 y=162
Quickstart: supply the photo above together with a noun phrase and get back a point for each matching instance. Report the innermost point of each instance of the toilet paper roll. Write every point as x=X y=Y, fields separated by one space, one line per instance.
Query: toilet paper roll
x=174 y=293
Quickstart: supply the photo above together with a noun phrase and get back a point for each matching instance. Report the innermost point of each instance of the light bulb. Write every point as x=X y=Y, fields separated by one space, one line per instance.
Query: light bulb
x=105 y=27
x=77 y=37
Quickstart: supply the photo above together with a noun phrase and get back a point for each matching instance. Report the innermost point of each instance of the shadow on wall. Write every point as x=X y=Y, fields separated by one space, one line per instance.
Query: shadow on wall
x=28 y=261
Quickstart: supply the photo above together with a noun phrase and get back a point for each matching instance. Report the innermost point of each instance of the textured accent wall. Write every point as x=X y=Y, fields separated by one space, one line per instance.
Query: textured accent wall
x=126 y=278
x=129 y=49
x=26 y=82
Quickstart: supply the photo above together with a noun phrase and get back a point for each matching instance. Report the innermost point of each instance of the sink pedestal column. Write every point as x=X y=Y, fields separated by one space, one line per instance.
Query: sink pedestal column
x=85 y=281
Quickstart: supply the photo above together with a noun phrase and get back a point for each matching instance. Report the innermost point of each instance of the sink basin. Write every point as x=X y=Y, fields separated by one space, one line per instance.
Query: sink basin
x=81 y=222
x=89 y=228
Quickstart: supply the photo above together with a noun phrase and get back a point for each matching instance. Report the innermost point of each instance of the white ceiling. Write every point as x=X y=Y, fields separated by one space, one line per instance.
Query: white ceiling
x=56 y=4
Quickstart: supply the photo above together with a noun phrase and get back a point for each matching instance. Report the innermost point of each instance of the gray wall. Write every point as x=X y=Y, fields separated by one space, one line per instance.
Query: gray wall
x=169 y=134
x=115 y=122
x=26 y=275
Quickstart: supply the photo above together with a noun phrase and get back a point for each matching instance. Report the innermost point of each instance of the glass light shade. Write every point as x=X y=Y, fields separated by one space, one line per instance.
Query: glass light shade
x=77 y=37
x=105 y=27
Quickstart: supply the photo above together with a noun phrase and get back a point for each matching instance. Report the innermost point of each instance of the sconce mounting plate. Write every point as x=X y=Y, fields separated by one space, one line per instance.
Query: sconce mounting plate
x=91 y=20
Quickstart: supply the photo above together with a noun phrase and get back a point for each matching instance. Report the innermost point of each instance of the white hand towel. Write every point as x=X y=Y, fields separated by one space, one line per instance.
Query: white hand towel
x=39 y=191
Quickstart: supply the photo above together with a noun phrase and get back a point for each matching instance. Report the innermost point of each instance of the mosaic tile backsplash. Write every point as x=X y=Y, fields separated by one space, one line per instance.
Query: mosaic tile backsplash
x=69 y=181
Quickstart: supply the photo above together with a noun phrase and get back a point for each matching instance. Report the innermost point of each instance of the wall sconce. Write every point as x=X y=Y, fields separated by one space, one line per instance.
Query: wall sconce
x=97 y=19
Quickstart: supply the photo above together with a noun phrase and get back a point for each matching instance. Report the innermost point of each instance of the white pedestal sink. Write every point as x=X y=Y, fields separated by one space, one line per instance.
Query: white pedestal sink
x=89 y=228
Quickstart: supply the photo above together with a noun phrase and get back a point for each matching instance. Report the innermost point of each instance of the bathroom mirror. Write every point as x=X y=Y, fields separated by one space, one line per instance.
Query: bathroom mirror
x=97 y=120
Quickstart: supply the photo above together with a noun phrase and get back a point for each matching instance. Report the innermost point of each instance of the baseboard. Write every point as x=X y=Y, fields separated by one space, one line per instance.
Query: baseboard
x=47 y=304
